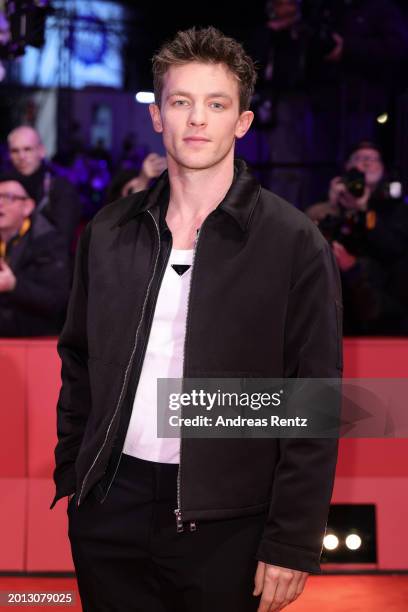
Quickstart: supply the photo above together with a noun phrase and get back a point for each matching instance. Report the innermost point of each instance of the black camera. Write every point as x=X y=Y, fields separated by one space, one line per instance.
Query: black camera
x=349 y=227
x=354 y=181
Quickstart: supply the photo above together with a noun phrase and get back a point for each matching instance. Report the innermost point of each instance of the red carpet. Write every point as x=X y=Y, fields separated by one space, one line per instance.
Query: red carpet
x=322 y=593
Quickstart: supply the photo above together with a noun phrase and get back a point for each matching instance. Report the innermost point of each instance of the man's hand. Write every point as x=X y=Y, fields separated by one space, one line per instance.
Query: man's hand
x=279 y=586
x=153 y=166
x=345 y=260
x=338 y=194
x=336 y=189
x=7 y=279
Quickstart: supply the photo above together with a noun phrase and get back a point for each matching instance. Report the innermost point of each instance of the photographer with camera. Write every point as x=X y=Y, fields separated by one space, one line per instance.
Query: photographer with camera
x=366 y=222
x=364 y=170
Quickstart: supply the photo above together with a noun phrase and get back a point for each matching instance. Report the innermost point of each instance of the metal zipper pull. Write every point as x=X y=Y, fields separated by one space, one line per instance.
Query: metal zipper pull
x=193 y=526
x=179 y=522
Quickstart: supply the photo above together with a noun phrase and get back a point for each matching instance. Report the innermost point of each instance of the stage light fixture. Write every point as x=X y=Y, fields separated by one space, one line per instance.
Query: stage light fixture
x=353 y=541
x=354 y=526
x=331 y=541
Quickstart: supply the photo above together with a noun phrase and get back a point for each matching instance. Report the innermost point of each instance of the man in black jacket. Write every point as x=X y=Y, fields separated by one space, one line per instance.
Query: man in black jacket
x=206 y=275
x=34 y=274
x=55 y=197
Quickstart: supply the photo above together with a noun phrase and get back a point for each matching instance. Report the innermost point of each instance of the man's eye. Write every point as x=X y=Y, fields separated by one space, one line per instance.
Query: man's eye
x=217 y=105
x=180 y=102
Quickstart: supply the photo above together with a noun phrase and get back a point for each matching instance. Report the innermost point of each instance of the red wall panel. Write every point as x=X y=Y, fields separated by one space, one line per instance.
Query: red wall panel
x=42 y=383
x=35 y=538
x=13 y=517
x=371 y=358
x=13 y=432
x=47 y=530
x=390 y=496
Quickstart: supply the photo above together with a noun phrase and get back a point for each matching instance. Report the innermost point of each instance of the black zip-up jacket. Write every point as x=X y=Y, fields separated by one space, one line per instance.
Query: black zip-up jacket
x=264 y=302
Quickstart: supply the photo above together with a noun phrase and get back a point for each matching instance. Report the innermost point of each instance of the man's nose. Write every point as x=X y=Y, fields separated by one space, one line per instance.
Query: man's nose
x=197 y=116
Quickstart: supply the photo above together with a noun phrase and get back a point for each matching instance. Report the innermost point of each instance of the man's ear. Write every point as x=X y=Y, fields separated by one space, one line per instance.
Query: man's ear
x=43 y=152
x=244 y=123
x=28 y=207
x=156 y=118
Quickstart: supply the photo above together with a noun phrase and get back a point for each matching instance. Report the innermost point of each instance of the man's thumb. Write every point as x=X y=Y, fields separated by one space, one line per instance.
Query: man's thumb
x=259 y=578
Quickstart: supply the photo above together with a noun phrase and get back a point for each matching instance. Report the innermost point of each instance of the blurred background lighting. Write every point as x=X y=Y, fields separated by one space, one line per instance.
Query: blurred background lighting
x=145 y=97
x=331 y=541
x=383 y=118
x=353 y=541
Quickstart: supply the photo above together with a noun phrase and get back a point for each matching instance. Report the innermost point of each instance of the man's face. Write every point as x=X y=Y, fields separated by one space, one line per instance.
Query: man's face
x=26 y=151
x=15 y=206
x=199 y=115
x=370 y=163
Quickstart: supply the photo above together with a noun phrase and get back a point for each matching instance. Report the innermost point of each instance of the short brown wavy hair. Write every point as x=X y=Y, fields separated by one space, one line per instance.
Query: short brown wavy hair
x=209 y=46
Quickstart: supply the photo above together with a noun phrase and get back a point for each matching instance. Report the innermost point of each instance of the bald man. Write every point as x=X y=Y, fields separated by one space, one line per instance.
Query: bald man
x=56 y=198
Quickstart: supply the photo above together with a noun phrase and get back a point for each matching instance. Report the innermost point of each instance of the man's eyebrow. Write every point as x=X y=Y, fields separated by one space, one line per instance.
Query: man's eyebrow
x=216 y=94
x=219 y=94
x=178 y=92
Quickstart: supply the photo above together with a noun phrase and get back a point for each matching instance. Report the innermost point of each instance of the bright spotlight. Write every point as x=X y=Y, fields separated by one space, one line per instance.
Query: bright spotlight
x=383 y=118
x=353 y=541
x=330 y=541
x=145 y=97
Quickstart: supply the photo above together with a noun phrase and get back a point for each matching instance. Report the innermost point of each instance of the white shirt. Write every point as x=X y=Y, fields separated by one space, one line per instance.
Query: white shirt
x=163 y=359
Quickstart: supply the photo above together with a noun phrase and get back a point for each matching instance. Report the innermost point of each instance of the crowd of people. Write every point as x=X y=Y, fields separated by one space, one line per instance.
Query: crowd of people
x=325 y=72
x=41 y=216
x=365 y=219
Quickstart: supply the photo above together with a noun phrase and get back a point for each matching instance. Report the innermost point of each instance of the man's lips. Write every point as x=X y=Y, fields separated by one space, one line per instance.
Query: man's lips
x=196 y=139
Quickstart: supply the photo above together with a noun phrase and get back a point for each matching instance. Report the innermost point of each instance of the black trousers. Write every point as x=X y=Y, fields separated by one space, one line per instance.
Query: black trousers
x=129 y=557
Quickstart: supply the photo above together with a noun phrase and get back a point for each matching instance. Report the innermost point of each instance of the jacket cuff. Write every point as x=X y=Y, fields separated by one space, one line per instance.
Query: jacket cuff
x=285 y=555
x=65 y=488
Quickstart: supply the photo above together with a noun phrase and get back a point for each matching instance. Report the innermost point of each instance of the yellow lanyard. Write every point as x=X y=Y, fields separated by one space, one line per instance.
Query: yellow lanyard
x=23 y=230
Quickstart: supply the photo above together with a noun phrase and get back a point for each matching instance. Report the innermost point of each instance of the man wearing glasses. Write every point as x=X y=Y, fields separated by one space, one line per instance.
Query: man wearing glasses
x=34 y=277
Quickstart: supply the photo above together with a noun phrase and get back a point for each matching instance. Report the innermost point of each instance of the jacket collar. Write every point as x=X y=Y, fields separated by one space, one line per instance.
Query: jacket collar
x=239 y=202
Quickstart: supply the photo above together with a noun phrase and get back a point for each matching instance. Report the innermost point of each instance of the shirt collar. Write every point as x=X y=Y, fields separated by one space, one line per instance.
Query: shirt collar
x=239 y=201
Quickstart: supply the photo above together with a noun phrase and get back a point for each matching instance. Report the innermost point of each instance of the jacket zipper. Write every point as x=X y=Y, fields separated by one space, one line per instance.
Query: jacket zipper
x=177 y=511
x=145 y=345
x=125 y=376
